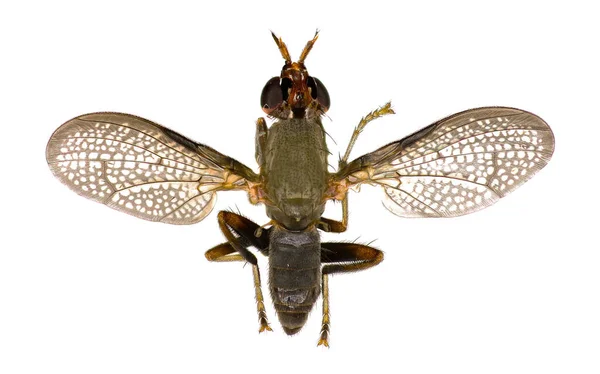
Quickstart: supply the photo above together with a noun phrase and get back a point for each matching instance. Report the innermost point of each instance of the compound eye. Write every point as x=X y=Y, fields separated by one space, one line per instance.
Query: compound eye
x=319 y=92
x=271 y=96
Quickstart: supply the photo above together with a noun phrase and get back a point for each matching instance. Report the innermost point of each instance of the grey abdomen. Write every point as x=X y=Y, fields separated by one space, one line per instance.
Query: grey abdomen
x=294 y=275
x=296 y=290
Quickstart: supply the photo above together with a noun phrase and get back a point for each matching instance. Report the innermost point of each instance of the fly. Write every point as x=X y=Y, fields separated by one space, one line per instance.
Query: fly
x=456 y=166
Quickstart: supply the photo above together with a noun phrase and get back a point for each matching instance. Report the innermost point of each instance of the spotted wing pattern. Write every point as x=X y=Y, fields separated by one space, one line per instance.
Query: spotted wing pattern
x=138 y=167
x=460 y=164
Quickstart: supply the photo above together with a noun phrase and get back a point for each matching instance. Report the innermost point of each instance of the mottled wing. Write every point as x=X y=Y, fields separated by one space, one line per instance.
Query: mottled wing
x=458 y=165
x=141 y=168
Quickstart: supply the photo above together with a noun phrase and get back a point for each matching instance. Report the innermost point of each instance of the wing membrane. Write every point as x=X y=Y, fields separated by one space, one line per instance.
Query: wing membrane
x=458 y=165
x=141 y=168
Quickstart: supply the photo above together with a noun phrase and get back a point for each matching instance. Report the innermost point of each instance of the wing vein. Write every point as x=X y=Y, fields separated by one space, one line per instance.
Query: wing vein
x=108 y=182
x=179 y=207
x=460 y=140
x=463 y=125
x=403 y=165
x=419 y=200
x=439 y=177
x=193 y=153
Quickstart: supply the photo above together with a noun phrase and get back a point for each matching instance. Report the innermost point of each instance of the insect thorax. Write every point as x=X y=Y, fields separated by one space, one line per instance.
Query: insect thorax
x=294 y=275
x=295 y=172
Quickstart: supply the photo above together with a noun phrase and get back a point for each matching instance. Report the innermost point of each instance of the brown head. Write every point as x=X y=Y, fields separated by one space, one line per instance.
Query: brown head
x=294 y=94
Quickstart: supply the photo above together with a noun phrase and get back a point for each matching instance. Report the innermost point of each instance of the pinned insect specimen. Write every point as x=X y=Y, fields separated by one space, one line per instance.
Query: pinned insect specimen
x=456 y=166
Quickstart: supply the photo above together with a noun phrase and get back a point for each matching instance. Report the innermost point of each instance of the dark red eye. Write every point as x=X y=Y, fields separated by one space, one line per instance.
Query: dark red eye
x=271 y=96
x=319 y=92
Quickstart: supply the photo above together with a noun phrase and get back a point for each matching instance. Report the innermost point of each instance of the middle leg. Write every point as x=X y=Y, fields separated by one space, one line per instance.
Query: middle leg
x=331 y=225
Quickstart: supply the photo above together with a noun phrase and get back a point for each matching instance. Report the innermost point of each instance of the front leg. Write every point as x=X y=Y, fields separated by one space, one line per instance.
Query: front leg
x=240 y=234
x=329 y=225
x=261 y=141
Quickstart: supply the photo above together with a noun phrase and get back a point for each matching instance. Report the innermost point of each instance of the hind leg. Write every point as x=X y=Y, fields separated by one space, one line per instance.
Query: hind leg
x=240 y=234
x=342 y=258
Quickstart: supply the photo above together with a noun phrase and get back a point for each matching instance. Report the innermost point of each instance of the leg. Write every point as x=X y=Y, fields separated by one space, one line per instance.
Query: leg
x=261 y=141
x=239 y=232
x=330 y=225
x=231 y=223
x=379 y=112
x=324 y=338
x=347 y=257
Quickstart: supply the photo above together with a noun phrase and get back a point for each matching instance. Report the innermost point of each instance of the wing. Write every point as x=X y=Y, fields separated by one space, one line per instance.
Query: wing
x=141 y=168
x=458 y=165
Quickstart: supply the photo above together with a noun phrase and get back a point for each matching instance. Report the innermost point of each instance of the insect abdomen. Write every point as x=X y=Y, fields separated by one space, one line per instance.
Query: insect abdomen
x=294 y=275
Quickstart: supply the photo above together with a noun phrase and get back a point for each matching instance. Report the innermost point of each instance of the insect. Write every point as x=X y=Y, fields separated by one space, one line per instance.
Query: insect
x=455 y=166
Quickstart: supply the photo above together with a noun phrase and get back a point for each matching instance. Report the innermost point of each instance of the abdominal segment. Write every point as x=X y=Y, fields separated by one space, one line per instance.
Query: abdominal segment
x=294 y=292
x=294 y=274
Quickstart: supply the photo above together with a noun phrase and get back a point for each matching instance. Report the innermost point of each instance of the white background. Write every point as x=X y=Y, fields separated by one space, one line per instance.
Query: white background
x=513 y=288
